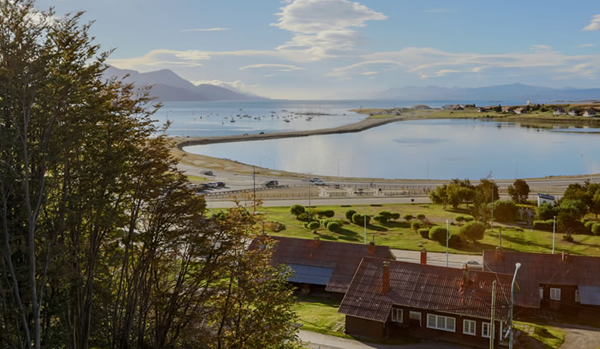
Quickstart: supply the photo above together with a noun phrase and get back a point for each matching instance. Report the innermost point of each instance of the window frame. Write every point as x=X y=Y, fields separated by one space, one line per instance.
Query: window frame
x=577 y=299
x=541 y=292
x=437 y=319
x=553 y=292
x=395 y=318
x=485 y=325
x=411 y=313
x=470 y=324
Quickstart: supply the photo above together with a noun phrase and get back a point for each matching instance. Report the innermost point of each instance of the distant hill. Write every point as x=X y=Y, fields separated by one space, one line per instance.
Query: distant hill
x=169 y=86
x=492 y=93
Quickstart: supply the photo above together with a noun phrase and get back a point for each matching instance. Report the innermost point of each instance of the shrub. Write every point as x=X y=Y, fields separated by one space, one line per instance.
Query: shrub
x=302 y=217
x=408 y=217
x=424 y=232
x=359 y=219
x=326 y=213
x=459 y=219
x=596 y=229
x=349 y=214
x=416 y=226
x=420 y=216
x=543 y=225
x=505 y=211
x=395 y=215
x=588 y=224
x=274 y=226
x=438 y=234
x=454 y=241
x=297 y=210
x=568 y=238
x=333 y=226
x=584 y=220
x=545 y=211
x=473 y=231
x=381 y=219
x=469 y=219
x=312 y=225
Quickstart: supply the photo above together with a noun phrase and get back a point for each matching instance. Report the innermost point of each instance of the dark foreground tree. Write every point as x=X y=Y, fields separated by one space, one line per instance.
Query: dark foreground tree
x=519 y=191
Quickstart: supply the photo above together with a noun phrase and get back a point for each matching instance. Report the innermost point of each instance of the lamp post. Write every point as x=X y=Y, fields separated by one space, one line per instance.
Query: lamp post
x=553 y=233
x=365 y=223
x=447 y=238
x=309 y=196
x=512 y=304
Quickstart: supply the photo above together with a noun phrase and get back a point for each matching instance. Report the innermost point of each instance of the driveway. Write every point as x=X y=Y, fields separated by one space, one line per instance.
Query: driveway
x=580 y=337
x=320 y=341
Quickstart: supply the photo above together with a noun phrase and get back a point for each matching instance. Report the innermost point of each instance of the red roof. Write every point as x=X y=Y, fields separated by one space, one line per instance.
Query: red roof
x=343 y=258
x=428 y=287
x=543 y=268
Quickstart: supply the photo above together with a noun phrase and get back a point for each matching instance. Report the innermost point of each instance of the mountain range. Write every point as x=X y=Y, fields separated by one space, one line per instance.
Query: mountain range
x=490 y=93
x=168 y=86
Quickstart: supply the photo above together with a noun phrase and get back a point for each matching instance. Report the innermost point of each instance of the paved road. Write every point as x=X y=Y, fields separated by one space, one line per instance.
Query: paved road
x=321 y=341
x=580 y=337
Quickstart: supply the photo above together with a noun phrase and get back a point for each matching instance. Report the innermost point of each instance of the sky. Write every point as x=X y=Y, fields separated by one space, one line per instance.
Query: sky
x=330 y=49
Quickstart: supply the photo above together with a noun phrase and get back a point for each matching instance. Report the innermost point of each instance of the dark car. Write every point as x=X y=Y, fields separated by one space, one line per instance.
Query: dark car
x=220 y=184
x=271 y=184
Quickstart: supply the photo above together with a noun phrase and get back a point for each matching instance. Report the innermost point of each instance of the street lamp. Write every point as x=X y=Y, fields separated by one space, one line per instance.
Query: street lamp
x=553 y=233
x=512 y=304
x=447 y=238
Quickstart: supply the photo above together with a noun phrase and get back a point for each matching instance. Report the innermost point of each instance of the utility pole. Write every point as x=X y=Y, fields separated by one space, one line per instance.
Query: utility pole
x=553 y=233
x=447 y=239
x=492 y=320
x=254 y=181
x=492 y=206
x=512 y=304
x=365 y=222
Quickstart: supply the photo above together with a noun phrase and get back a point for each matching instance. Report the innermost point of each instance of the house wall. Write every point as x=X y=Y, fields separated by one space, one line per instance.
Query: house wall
x=364 y=328
x=567 y=301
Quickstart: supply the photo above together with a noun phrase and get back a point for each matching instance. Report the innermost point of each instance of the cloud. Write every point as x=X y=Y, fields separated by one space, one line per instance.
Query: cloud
x=323 y=28
x=216 y=29
x=594 y=24
x=232 y=85
x=587 y=45
x=344 y=71
x=445 y=72
x=370 y=73
x=283 y=67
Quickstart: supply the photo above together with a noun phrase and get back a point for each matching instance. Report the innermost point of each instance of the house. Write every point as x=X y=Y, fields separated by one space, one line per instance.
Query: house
x=520 y=110
x=485 y=109
x=456 y=107
x=507 y=109
x=391 y=299
x=559 y=111
x=321 y=265
x=545 y=198
x=589 y=112
x=573 y=112
x=551 y=281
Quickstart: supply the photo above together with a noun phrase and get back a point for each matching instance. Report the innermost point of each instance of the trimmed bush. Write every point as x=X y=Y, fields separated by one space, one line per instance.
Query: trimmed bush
x=438 y=234
x=469 y=219
x=459 y=219
x=297 y=210
x=455 y=241
x=543 y=225
x=584 y=220
x=395 y=215
x=416 y=226
x=312 y=225
x=588 y=224
x=381 y=219
x=505 y=211
x=349 y=214
x=326 y=213
x=408 y=217
x=302 y=216
x=424 y=232
x=596 y=229
x=420 y=216
x=568 y=238
x=359 y=219
x=333 y=226
x=473 y=231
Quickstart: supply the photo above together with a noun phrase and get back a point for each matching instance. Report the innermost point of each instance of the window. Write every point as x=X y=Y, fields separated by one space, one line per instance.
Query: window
x=485 y=329
x=470 y=327
x=577 y=296
x=541 y=293
x=555 y=294
x=443 y=323
x=397 y=315
x=415 y=317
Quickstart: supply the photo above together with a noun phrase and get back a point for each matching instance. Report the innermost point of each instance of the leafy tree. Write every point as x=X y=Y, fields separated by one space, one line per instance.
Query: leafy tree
x=349 y=214
x=569 y=216
x=438 y=234
x=595 y=203
x=439 y=195
x=333 y=226
x=519 y=191
x=473 y=231
x=505 y=211
x=546 y=211
x=408 y=217
x=359 y=219
x=297 y=209
x=485 y=191
x=416 y=225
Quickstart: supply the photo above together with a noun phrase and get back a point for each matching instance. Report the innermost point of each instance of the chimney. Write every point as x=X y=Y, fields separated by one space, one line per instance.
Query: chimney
x=317 y=241
x=371 y=247
x=565 y=256
x=499 y=254
x=423 y=256
x=385 y=288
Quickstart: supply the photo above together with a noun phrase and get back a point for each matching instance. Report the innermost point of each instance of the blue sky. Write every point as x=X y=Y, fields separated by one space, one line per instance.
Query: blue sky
x=320 y=49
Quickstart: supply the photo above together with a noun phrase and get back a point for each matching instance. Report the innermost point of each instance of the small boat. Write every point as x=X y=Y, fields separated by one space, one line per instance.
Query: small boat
x=232 y=120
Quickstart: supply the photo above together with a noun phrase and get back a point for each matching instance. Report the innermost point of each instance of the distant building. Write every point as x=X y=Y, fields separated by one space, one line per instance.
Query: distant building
x=573 y=112
x=321 y=265
x=545 y=198
x=520 y=110
x=392 y=299
x=456 y=107
x=507 y=109
x=559 y=111
x=484 y=109
x=589 y=112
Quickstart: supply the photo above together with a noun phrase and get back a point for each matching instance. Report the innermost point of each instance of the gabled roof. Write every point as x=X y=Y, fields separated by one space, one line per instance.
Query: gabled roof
x=428 y=287
x=319 y=262
x=544 y=268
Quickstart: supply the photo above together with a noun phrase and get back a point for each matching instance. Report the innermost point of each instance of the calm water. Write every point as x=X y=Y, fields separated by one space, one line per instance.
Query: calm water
x=204 y=119
x=434 y=149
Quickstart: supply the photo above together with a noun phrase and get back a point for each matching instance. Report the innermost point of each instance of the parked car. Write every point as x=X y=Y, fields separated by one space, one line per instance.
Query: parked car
x=475 y=265
x=320 y=184
x=207 y=172
x=271 y=183
x=220 y=184
x=212 y=185
x=315 y=180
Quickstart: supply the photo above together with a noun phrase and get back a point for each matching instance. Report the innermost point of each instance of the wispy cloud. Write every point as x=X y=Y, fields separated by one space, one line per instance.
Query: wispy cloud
x=216 y=29
x=587 y=45
x=541 y=48
x=281 y=67
x=370 y=73
x=594 y=24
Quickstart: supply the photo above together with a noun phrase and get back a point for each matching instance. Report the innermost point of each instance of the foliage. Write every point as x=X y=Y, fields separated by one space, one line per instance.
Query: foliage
x=546 y=211
x=395 y=215
x=438 y=234
x=568 y=237
x=312 y=225
x=303 y=216
x=349 y=214
x=453 y=193
x=421 y=217
x=469 y=218
x=587 y=224
x=416 y=225
x=596 y=229
x=519 y=191
x=569 y=216
x=424 y=232
x=455 y=241
x=297 y=210
x=505 y=211
x=408 y=217
x=384 y=216
x=274 y=226
x=459 y=219
x=473 y=231
x=485 y=192
x=359 y=219
x=333 y=226
x=326 y=213
x=546 y=225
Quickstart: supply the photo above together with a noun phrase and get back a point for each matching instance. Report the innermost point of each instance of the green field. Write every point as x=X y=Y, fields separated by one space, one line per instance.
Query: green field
x=399 y=235
x=537 y=336
x=320 y=314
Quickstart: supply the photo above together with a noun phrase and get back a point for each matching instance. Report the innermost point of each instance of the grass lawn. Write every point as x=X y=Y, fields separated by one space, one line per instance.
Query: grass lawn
x=320 y=314
x=533 y=334
x=196 y=178
x=399 y=235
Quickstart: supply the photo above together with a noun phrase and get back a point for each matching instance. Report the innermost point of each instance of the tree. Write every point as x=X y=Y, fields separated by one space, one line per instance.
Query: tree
x=473 y=231
x=349 y=214
x=485 y=191
x=297 y=209
x=505 y=211
x=519 y=191
x=545 y=211
x=569 y=216
x=438 y=234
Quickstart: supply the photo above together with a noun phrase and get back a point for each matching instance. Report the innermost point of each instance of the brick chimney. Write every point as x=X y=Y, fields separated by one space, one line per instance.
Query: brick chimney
x=317 y=241
x=423 y=256
x=385 y=288
x=565 y=256
x=499 y=254
x=371 y=247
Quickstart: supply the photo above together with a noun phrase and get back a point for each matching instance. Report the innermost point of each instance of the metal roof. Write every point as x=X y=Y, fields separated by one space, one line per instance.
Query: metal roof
x=342 y=258
x=589 y=295
x=310 y=275
x=546 y=196
x=428 y=287
x=543 y=268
